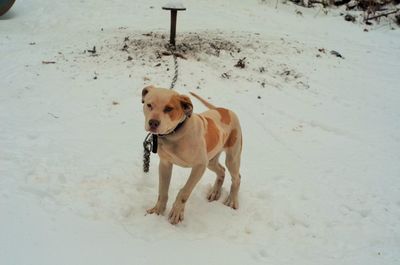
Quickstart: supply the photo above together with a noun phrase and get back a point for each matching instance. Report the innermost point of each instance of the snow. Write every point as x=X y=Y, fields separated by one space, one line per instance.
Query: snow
x=320 y=173
x=174 y=5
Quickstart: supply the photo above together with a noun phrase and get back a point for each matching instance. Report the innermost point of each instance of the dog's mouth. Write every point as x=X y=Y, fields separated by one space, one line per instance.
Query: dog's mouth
x=157 y=132
x=168 y=131
x=154 y=131
x=165 y=131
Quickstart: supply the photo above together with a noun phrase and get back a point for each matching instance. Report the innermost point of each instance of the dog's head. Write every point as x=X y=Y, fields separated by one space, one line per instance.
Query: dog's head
x=164 y=109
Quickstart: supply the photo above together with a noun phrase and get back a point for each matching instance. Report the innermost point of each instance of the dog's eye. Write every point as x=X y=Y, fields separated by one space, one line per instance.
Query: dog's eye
x=168 y=109
x=149 y=106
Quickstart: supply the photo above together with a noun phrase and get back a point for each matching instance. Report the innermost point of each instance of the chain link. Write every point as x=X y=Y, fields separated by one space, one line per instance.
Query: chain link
x=146 y=154
x=172 y=49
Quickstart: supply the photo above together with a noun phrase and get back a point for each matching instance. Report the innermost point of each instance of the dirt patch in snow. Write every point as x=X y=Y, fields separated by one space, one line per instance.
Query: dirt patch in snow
x=189 y=44
x=268 y=62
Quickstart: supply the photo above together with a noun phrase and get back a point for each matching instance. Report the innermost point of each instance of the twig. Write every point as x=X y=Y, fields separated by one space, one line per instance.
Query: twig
x=177 y=54
x=54 y=116
x=48 y=62
x=165 y=53
x=241 y=63
x=180 y=55
x=93 y=51
x=383 y=14
x=318 y=2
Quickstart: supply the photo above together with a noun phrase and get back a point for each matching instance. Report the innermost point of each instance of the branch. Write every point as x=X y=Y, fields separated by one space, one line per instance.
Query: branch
x=323 y=3
x=383 y=14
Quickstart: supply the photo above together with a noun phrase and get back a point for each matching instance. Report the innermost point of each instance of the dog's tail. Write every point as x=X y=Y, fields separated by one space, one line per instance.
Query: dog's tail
x=202 y=100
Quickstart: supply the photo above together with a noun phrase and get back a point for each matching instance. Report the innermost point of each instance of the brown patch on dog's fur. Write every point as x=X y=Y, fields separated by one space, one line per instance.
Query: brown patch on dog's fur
x=212 y=135
x=231 y=139
x=177 y=111
x=225 y=116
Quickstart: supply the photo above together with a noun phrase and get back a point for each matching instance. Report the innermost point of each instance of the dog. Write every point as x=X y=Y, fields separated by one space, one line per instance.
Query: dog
x=191 y=140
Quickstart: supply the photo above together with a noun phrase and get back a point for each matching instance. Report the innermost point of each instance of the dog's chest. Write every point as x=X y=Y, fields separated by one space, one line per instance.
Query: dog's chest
x=174 y=154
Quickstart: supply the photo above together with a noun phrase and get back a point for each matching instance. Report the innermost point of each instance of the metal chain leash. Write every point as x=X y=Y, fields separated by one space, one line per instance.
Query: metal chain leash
x=172 y=49
x=147 y=145
x=150 y=142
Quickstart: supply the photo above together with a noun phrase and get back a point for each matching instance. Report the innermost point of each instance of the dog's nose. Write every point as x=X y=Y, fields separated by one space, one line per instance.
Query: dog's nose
x=154 y=124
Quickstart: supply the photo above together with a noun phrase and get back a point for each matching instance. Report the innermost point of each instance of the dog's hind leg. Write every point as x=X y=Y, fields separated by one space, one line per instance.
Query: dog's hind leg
x=216 y=167
x=233 y=164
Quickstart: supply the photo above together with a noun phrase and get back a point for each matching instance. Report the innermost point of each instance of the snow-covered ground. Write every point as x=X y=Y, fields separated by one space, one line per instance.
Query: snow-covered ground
x=321 y=161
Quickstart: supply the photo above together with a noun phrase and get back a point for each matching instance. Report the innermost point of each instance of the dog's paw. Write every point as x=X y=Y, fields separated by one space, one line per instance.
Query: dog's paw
x=176 y=214
x=214 y=194
x=232 y=202
x=158 y=209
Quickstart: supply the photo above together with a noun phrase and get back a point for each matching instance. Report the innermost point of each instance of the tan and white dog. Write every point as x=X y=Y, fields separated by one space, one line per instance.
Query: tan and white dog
x=191 y=140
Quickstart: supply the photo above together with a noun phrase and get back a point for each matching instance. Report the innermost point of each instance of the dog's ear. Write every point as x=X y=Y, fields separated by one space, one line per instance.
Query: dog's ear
x=186 y=104
x=145 y=91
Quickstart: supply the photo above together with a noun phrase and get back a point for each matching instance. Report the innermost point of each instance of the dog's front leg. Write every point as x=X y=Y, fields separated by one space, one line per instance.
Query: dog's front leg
x=176 y=214
x=164 y=173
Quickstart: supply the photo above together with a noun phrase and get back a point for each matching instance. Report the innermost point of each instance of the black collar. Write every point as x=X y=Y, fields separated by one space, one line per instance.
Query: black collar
x=154 y=137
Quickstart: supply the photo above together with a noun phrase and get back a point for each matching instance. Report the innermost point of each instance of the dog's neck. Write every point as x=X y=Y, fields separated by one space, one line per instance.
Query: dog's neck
x=171 y=136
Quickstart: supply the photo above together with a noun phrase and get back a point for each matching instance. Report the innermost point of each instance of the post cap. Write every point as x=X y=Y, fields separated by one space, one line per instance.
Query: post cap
x=174 y=6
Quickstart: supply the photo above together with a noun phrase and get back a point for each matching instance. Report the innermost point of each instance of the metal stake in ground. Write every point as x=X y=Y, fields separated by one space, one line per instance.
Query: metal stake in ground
x=174 y=8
